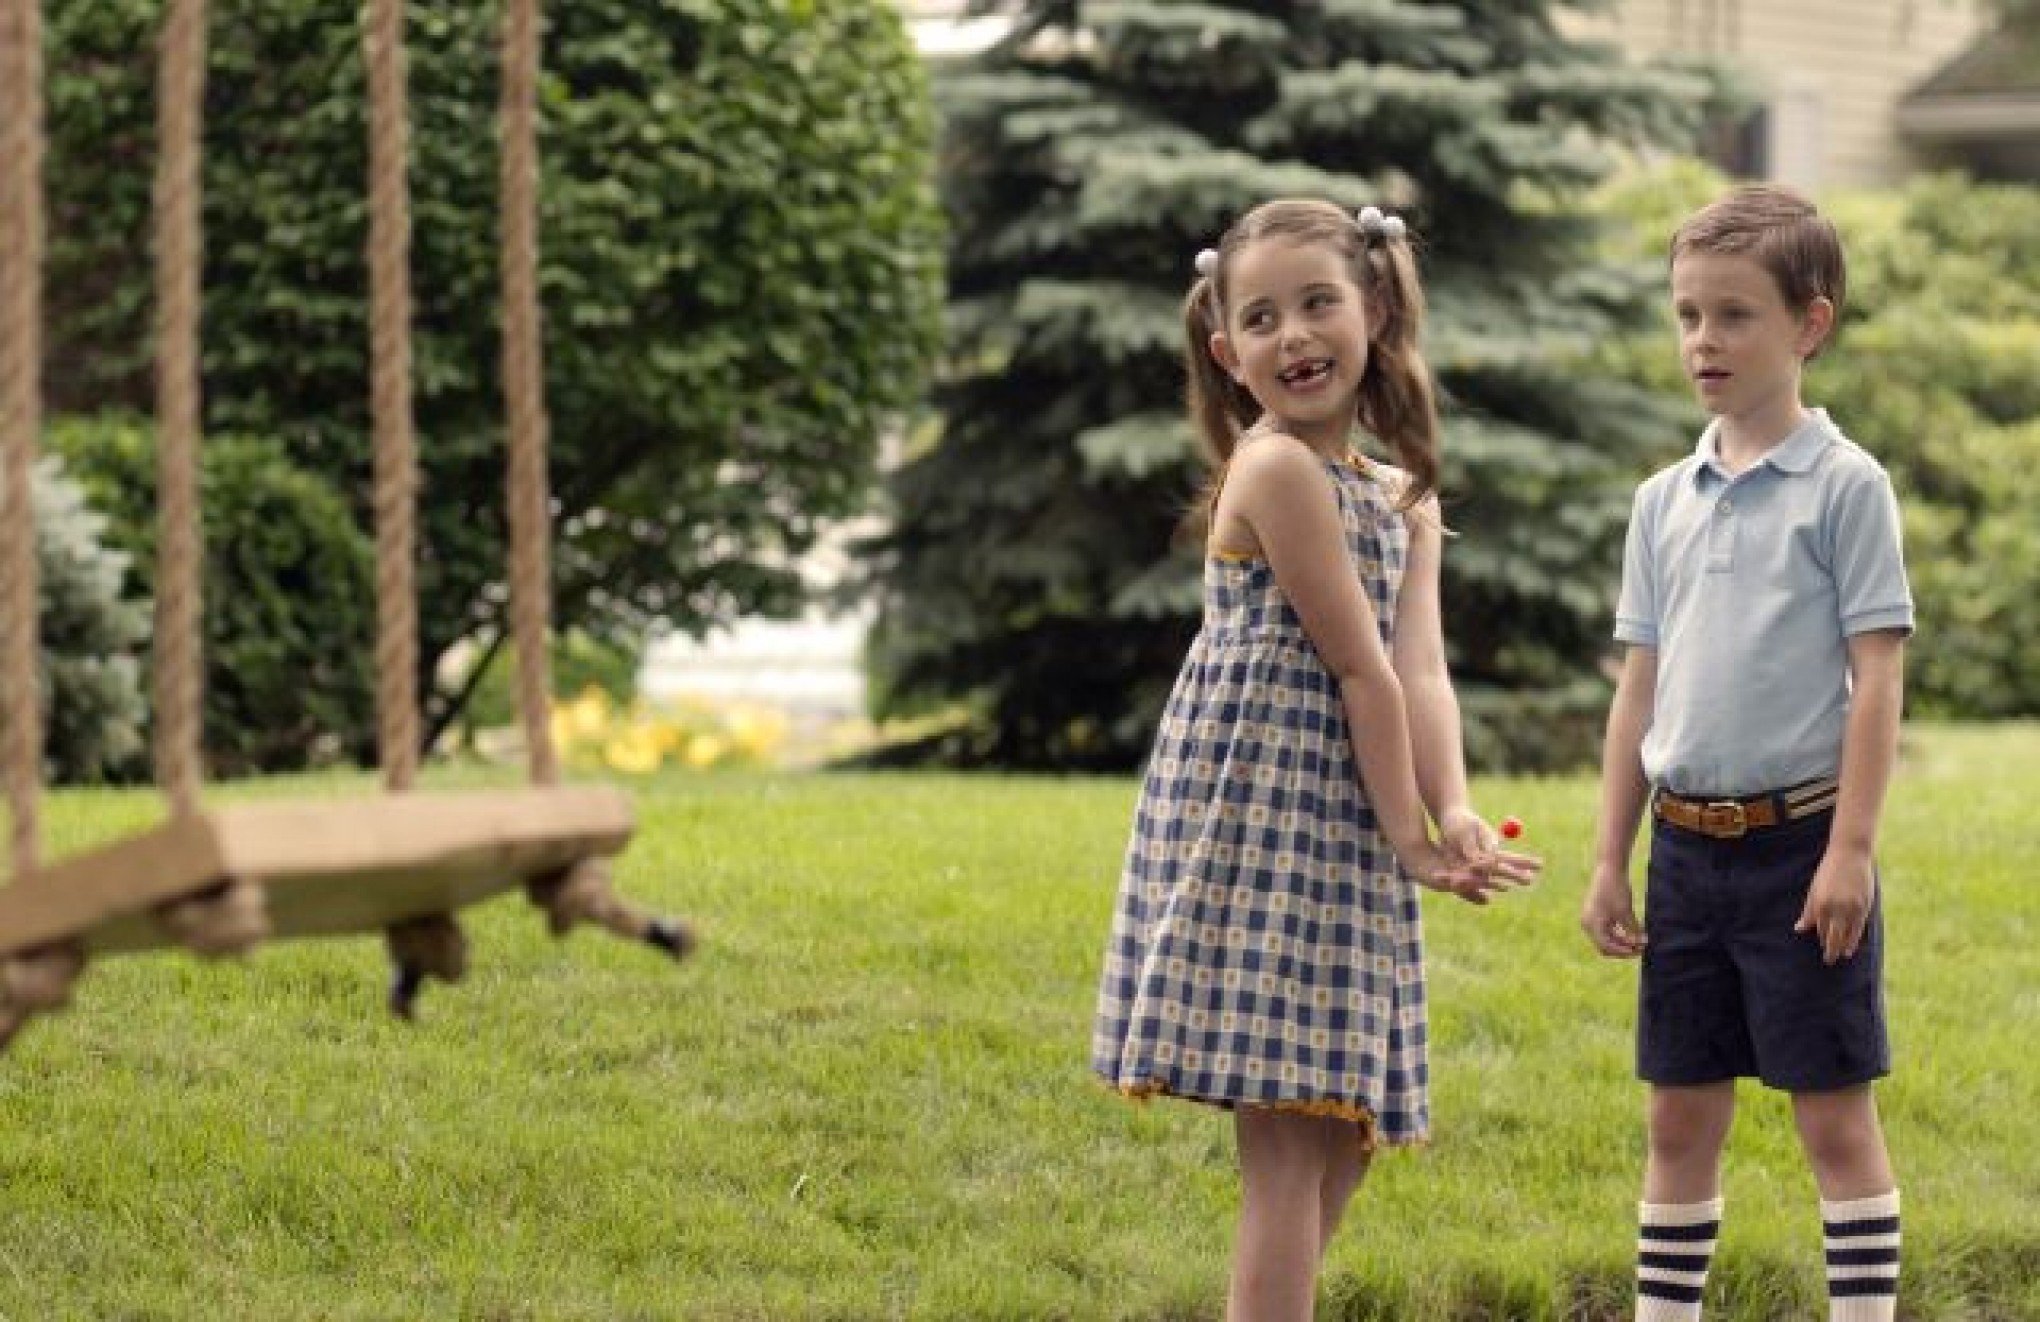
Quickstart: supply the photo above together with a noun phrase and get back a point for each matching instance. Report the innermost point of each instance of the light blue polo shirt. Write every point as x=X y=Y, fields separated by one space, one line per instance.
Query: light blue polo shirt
x=1750 y=587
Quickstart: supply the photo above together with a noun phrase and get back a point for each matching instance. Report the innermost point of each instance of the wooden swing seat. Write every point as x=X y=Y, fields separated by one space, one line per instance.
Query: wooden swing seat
x=328 y=867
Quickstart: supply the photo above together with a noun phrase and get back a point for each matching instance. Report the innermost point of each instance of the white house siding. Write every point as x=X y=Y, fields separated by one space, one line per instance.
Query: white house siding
x=1832 y=71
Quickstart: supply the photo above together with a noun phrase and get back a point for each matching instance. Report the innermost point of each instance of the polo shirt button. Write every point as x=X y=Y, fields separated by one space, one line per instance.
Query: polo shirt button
x=1724 y=508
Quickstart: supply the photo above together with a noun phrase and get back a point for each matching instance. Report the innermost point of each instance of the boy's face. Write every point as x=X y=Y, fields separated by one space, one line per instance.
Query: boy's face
x=1741 y=344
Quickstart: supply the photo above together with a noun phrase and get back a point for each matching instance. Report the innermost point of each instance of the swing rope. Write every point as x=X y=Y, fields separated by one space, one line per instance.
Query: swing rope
x=230 y=917
x=35 y=981
x=226 y=919
x=21 y=256
x=178 y=674
x=430 y=945
x=396 y=454
x=524 y=388
x=584 y=892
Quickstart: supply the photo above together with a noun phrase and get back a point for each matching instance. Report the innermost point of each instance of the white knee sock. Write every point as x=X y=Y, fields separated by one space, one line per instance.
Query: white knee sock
x=1674 y=1245
x=1861 y=1236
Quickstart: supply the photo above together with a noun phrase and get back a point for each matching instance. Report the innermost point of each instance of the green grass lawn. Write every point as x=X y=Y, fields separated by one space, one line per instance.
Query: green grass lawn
x=868 y=1097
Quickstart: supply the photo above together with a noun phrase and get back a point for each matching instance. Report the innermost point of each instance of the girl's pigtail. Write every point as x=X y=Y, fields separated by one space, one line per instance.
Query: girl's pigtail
x=1219 y=406
x=1215 y=410
x=1397 y=401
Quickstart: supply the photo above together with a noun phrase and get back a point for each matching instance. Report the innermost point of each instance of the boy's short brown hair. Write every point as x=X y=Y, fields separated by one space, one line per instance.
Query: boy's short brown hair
x=1782 y=232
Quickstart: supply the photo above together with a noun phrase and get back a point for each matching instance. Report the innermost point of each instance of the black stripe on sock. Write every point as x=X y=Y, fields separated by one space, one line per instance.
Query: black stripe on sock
x=1698 y=1231
x=1679 y=1294
x=1862 y=1257
x=1882 y=1225
x=1856 y=1287
x=1678 y=1262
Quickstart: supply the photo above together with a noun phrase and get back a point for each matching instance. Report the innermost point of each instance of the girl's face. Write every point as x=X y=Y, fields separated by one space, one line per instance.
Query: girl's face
x=1742 y=346
x=1296 y=336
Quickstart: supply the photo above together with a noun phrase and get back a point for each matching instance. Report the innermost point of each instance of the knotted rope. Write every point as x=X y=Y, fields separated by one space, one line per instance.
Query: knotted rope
x=179 y=678
x=21 y=257
x=584 y=892
x=524 y=388
x=229 y=918
x=31 y=981
x=431 y=944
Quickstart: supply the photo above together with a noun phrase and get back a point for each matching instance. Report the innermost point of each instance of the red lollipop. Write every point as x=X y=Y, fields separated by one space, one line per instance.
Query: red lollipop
x=1511 y=828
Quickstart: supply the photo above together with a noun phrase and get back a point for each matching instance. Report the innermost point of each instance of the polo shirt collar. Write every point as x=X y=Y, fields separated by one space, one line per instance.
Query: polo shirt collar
x=1795 y=454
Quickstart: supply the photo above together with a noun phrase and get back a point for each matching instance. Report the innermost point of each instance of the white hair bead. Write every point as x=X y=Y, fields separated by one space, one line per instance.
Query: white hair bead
x=1207 y=262
x=1378 y=224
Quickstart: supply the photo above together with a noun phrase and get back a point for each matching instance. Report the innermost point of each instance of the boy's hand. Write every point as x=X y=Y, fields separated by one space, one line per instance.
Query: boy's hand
x=1838 y=903
x=1609 y=916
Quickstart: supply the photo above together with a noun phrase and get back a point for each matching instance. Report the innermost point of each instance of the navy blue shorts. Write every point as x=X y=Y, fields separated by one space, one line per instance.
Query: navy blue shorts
x=1729 y=990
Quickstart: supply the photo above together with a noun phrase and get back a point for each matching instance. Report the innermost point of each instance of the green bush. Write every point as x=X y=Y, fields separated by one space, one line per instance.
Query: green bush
x=740 y=277
x=91 y=691
x=288 y=591
x=1936 y=375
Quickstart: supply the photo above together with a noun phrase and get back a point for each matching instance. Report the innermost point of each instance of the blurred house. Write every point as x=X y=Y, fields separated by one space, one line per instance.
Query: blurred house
x=1841 y=85
x=1981 y=110
x=942 y=29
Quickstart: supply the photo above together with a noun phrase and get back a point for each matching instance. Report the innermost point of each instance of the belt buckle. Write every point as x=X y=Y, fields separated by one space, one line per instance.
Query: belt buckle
x=1737 y=826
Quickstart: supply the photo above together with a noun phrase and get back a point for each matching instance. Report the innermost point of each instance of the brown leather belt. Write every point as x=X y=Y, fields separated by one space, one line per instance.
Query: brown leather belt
x=1731 y=819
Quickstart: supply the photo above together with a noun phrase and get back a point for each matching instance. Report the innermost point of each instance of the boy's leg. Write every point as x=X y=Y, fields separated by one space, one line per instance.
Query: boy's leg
x=1820 y=1035
x=1858 y=1201
x=1679 y=1220
x=1275 y=1254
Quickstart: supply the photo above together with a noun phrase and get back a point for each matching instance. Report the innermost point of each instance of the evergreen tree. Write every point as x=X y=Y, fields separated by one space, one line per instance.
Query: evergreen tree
x=1032 y=572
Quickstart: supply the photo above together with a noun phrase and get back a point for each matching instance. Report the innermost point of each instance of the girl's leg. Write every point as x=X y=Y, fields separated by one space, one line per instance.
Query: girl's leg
x=1282 y=1173
x=1858 y=1201
x=1345 y=1166
x=1680 y=1219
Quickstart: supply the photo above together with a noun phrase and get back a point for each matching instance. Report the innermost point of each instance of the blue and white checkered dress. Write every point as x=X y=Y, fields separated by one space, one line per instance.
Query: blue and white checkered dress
x=1267 y=949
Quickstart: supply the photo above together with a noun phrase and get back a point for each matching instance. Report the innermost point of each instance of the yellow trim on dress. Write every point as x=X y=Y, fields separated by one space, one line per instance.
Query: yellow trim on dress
x=1352 y=459
x=1360 y=1116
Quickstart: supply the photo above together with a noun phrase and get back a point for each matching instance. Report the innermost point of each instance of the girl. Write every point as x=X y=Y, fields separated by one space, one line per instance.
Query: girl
x=1266 y=953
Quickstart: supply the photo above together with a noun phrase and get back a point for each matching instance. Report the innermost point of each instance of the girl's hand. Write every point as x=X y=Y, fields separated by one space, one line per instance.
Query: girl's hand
x=1470 y=842
x=1466 y=838
x=1433 y=867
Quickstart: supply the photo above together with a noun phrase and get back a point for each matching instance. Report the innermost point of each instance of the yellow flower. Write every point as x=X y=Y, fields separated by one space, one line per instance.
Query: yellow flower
x=705 y=750
x=633 y=752
x=758 y=731
x=666 y=734
x=586 y=717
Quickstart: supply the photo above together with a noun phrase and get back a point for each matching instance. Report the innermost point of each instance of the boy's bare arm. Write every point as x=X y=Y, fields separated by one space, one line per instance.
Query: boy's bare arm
x=1838 y=903
x=1870 y=741
x=1609 y=915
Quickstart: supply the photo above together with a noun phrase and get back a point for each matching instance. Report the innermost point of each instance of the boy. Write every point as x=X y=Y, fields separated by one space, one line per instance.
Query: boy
x=1765 y=607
